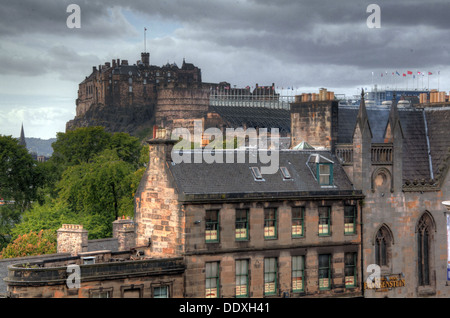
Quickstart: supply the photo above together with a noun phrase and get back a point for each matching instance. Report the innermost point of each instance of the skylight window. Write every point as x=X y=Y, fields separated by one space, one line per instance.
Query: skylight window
x=285 y=173
x=257 y=174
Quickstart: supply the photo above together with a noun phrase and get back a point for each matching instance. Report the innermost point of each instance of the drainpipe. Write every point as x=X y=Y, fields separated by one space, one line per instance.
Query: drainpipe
x=362 y=249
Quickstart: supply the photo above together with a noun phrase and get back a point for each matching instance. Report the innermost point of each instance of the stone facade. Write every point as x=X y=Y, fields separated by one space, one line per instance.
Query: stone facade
x=391 y=154
x=119 y=279
x=177 y=224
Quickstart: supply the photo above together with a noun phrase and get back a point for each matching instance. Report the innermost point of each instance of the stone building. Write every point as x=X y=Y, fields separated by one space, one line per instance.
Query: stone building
x=399 y=158
x=245 y=234
x=106 y=268
x=130 y=92
x=133 y=98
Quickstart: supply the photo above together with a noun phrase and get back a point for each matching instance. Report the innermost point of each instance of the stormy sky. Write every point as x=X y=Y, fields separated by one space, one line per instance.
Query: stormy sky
x=298 y=44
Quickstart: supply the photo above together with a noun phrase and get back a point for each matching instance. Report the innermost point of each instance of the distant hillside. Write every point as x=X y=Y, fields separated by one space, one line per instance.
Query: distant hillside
x=43 y=147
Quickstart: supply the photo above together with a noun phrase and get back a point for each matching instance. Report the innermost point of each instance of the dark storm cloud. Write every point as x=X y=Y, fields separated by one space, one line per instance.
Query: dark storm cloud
x=413 y=33
x=333 y=33
x=47 y=18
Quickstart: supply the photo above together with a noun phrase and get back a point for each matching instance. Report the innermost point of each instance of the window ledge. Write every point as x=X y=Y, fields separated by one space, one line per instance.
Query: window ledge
x=426 y=291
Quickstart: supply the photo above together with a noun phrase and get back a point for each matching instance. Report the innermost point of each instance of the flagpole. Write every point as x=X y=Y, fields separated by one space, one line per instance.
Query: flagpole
x=439 y=74
x=145 y=40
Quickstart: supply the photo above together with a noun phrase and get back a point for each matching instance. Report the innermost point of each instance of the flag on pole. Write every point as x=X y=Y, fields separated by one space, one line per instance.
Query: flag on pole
x=397 y=73
x=409 y=72
x=404 y=74
x=429 y=73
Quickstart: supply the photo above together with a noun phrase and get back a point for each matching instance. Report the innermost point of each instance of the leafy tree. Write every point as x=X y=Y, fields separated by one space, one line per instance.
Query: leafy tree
x=48 y=216
x=79 y=145
x=100 y=191
x=19 y=181
x=33 y=243
x=19 y=177
x=83 y=144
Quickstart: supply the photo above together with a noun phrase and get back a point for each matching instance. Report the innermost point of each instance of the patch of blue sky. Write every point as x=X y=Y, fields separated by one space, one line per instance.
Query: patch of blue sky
x=156 y=27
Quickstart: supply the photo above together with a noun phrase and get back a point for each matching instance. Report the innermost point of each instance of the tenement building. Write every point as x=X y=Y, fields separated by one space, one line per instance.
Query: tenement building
x=399 y=158
x=243 y=233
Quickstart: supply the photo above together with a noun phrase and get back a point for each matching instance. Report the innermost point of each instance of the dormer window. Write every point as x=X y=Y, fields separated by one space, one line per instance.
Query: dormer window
x=322 y=168
x=325 y=173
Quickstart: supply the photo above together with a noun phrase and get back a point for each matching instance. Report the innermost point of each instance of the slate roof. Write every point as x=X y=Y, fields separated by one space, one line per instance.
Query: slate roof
x=222 y=181
x=255 y=117
x=438 y=125
x=125 y=69
x=415 y=148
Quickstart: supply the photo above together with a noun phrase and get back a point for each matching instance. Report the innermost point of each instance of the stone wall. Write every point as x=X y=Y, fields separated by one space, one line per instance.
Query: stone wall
x=180 y=102
x=400 y=211
x=119 y=279
x=227 y=250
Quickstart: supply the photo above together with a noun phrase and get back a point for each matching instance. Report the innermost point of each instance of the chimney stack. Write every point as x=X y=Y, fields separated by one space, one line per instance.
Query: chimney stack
x=72 y=238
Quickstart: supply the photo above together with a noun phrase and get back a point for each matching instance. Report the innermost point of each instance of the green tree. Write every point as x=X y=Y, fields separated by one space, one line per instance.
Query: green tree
x=19 y=181
x=100 y=191
x=19 y=177
x=79 y=145
x=48 y=216
x=83 y=144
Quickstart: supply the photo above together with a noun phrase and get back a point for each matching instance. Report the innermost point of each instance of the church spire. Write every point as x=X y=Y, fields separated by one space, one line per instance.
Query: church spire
x=22 y=138
x=362 y=118
x=393 y=121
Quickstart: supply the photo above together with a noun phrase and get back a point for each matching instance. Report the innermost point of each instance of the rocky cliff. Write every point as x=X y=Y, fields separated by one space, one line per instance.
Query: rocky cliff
x=137 y=120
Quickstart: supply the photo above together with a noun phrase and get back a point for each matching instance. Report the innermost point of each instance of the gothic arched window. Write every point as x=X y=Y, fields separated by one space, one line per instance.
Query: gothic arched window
x=383 y=241
x=424 y=230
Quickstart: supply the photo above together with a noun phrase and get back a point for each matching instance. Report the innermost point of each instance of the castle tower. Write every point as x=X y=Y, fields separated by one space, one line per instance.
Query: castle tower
x=145 y=58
